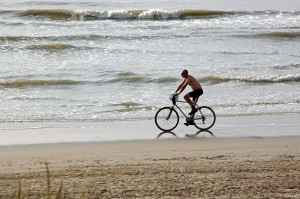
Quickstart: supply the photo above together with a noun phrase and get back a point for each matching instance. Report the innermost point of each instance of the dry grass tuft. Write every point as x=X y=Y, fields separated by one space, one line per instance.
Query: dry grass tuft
x=58 y=195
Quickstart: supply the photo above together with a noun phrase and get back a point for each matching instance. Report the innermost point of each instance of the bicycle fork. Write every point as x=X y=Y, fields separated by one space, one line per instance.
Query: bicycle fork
x=202 y=116
x=168 y=117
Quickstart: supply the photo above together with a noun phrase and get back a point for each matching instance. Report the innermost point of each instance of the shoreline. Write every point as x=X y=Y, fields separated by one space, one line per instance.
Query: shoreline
x=27 y=133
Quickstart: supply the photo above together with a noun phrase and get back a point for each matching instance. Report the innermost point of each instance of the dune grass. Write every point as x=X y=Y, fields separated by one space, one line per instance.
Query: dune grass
x=58 y=195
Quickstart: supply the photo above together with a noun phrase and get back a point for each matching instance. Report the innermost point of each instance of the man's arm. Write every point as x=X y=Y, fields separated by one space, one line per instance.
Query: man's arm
x=181 y=87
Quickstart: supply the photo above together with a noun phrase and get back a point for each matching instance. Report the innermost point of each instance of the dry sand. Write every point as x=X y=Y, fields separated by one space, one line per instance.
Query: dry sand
x=162 y=168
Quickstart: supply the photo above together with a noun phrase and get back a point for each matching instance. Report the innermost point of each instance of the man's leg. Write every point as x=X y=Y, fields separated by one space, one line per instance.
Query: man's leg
x=188 y=100
x=191 y=103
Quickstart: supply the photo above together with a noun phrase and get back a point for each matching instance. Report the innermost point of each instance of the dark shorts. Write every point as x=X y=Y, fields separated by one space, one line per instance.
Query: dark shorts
x=196 y=93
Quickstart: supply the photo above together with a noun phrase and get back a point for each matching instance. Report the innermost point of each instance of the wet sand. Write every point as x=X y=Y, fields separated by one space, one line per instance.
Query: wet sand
x=191 y=167
x=17 y=133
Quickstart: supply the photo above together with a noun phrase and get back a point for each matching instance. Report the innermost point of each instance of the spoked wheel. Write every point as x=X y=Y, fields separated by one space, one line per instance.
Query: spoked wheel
x=204 y=118
x=166 y=119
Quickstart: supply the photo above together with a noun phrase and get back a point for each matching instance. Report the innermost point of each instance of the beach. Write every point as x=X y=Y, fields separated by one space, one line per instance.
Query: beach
x=181 y=164
x=163 y=168
x=81 y=83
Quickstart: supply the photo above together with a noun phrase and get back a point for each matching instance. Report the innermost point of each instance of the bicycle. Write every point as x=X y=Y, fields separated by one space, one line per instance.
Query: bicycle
x=167 y=118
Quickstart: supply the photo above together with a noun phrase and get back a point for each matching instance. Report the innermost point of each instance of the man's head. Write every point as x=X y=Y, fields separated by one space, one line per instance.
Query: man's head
x=185 y=73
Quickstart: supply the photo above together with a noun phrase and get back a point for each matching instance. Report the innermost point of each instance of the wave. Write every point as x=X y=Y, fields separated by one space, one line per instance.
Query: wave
x=54 y=14
x=151 y=14
x=259 y=103
x=50 y=46
x=281 y=34
x=136 y=78
x=245 y=53
x=15 y=38
x=54 y=38
x=178 y=14
x=167 y=80
x=27 y=82
x=131 y=77
x=88 y=37
x=128 y=77
x=122 y=77
x=289 y=66
x=142 y=79
x=127 y=104
x=251 y=79
x=276 y=34
x=131 y=109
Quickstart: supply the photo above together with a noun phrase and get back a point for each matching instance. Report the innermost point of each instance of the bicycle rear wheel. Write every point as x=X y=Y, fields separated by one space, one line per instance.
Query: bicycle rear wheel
x=166 y=119
x=204 y=118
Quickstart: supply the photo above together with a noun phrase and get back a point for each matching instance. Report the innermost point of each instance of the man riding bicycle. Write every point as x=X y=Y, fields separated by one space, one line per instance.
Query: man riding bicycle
x=195 y=85
x=202 y=117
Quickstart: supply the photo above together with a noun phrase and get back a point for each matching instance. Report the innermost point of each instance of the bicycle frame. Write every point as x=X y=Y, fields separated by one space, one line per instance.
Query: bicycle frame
x=178 y=107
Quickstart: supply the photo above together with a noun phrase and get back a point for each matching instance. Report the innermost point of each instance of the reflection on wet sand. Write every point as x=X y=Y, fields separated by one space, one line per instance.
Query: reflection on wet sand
x=202 y=132
x=166 y=132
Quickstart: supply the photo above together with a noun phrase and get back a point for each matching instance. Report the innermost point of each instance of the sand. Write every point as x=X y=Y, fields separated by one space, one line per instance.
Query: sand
x=18 y=133
x=192 y=167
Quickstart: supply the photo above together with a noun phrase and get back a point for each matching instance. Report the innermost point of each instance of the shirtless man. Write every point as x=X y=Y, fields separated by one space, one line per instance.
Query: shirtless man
x=197 y=89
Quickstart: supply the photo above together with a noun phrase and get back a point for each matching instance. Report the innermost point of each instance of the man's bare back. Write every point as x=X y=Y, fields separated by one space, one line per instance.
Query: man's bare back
x=193 y=82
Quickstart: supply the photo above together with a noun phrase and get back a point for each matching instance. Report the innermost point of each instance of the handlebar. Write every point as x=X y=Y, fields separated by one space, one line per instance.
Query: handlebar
x=174 y=99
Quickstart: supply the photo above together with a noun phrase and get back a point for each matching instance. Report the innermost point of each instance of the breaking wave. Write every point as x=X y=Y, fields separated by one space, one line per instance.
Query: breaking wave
x=27 y=82
x=131 y=77
x=275 y=34
x=128 y=104
x=50 y=46
x=251 y=79
x=52 y=41
x=263 y=103
x=151 y=14
x=288 y=66
x=136 y=78
x=281 y=34
x=128 y=79
x=53 y=38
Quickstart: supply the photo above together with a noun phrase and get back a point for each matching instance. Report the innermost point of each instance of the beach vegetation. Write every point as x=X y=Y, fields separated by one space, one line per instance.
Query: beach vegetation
x=20 y=194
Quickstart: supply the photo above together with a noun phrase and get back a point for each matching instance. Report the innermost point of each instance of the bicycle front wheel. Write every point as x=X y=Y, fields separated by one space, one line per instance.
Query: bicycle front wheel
x=166 y=119
x=204 y=118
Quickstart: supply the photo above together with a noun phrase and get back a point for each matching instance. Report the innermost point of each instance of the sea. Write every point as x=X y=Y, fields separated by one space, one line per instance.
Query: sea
x=112 y=60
